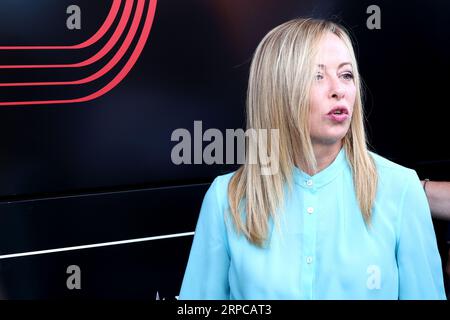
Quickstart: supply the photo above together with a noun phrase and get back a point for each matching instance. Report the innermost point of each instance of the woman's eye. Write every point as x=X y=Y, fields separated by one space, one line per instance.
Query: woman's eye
x=348 y=76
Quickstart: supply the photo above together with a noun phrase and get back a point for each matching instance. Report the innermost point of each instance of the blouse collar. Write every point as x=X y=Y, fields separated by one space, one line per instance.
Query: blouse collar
x=323 y=177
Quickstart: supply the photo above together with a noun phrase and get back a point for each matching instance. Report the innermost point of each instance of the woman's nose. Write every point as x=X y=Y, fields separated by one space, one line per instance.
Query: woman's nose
x=337 y=90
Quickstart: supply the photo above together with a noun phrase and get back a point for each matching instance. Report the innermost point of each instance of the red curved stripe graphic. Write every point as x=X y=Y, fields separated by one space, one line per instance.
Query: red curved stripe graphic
x=104 y=51
x=106 y=68
x=117 y=79
x=97 y=36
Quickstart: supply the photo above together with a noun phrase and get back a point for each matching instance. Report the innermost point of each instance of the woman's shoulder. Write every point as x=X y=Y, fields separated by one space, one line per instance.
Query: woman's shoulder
x=393 y=176
x=219 y=187
x=221 y=181
x=390 y=168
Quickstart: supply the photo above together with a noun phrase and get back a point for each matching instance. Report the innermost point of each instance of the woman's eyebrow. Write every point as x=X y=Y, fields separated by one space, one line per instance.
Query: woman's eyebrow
x=321 y=66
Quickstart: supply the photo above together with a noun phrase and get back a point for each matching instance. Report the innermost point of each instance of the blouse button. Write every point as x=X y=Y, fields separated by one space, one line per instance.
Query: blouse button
x=309 y=260
x=309 y=182
x=310 y=210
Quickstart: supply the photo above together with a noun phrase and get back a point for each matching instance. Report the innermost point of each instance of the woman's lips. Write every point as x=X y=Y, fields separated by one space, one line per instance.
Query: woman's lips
x=338 y=117
x=338 y=114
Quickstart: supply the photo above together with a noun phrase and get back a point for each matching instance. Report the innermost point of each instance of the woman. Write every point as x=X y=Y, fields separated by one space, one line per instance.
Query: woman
x=335 y=221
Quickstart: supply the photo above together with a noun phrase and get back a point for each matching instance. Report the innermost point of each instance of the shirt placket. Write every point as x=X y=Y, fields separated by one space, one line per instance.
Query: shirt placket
x=309 y=240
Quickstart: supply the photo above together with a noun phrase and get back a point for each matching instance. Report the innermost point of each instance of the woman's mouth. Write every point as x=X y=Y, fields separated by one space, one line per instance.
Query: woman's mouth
x=338 y=114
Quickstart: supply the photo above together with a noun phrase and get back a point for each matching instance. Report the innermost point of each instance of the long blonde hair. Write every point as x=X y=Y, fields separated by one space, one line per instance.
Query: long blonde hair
x=278 y=95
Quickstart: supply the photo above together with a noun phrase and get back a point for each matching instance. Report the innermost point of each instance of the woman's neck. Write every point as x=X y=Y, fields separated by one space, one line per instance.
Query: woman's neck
x=325 y=155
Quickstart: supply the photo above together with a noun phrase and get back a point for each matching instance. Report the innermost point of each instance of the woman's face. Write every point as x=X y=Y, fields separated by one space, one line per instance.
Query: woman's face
x=332 y=93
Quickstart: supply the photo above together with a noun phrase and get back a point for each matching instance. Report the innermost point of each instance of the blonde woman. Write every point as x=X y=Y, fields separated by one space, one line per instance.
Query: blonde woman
x=335 y=221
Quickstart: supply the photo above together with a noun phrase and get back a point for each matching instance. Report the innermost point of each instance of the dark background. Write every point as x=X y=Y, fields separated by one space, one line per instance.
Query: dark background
x=101 y=171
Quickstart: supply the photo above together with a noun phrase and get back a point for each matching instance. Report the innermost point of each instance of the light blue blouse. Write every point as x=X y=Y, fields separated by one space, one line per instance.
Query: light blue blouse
x=323 y=249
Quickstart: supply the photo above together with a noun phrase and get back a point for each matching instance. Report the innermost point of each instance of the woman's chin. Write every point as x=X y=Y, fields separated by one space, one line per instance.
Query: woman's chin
x=329 y=139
